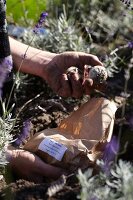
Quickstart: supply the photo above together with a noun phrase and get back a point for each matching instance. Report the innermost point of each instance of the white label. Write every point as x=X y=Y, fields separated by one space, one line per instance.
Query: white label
x=53 y=148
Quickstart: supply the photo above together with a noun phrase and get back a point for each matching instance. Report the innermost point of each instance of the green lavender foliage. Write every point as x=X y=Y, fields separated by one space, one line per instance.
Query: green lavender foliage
x=6 y=127
x=118 y=185
x=61 y=35
x=96 y=27
x=64 y=36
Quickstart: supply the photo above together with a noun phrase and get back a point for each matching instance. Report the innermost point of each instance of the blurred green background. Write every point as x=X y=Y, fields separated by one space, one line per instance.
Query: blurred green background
x=26 y=11
x=22 y=10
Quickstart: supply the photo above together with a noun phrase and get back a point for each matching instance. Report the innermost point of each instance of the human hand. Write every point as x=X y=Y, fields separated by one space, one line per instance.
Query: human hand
x=71 y=84
x=53 y=68
x=30 y=167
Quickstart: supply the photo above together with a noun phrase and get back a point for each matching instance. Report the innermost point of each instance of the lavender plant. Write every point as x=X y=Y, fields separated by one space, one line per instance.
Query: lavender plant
x=23 y=135
x=61 y=35
x=6 y=123
x=112 y=60
x=39 y=24
x=117 y=186
x=64 y=32
x=6 y=127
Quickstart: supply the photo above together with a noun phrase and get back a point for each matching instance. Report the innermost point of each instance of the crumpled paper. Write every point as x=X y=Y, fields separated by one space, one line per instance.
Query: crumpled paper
x=80 y=139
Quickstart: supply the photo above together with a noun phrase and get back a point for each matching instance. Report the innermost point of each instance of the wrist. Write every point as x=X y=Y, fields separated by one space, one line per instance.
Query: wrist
x=36 y=61
x=44 y=61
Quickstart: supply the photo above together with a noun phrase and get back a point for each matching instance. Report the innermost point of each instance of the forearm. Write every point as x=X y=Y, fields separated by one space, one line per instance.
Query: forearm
x=35 y=60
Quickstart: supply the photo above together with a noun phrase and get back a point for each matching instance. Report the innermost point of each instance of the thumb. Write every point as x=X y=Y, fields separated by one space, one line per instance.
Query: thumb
x=77 y=59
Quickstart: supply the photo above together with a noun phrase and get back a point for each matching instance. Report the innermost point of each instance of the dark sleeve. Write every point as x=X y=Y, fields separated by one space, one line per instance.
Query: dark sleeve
x=4 y=41
x=5 y=54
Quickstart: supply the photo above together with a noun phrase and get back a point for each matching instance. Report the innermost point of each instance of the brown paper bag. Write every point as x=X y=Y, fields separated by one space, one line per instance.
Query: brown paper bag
x=80 y=139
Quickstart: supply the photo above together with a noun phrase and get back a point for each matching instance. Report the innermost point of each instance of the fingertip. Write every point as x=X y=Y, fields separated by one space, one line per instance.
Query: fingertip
x=88 y=82
x=95 y=61
x=87 y=87
x=100 y=63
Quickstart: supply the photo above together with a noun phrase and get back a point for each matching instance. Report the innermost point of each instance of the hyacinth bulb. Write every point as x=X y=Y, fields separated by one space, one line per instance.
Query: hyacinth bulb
x=98 y=74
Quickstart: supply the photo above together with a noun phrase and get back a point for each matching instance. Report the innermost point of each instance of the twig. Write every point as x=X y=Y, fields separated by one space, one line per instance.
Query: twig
x=29 y=101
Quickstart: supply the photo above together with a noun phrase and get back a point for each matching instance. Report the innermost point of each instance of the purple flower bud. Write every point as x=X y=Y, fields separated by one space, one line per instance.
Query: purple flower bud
x=110 y=153
x=130 y=44
x=40 y=22
x=24 y=133
x=43 y=15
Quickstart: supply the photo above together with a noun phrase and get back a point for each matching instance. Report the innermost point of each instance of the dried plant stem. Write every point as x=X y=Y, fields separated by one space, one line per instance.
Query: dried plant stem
x=29 y=101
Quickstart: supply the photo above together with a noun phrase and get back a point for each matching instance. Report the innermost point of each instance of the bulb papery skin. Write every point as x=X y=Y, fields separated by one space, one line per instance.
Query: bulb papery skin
x=98 y=74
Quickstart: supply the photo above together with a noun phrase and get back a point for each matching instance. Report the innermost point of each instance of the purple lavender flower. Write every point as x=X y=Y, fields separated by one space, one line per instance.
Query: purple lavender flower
x=40 y=22
x=130 y=44
x=110 y=153
x=24 y=133
x=6 y=65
